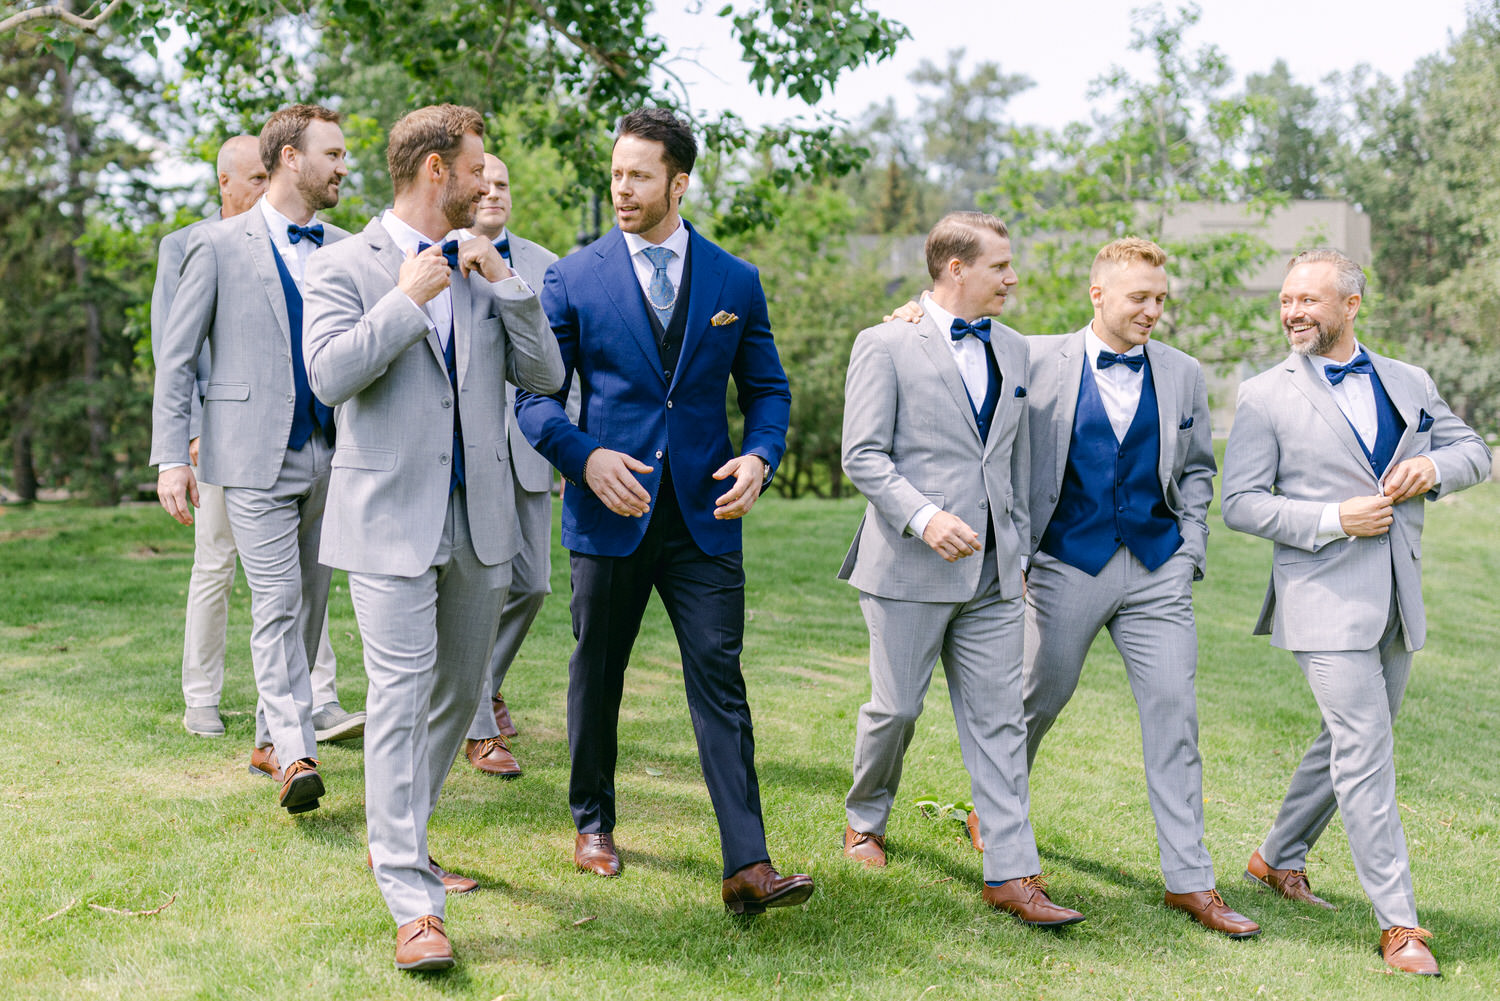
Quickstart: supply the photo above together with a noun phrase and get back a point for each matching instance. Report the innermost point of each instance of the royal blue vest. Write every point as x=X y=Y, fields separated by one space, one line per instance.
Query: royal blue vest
x=456 y=476
x=309 y=414
x=1110 y=494
x=1388 y=428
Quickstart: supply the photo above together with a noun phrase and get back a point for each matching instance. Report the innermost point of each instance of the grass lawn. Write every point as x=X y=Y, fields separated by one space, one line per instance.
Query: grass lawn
x=105 y=800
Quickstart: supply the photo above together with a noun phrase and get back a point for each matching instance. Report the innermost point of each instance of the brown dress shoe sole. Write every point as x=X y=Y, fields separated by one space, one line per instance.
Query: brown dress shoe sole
x=789 y=897
x=302 y=793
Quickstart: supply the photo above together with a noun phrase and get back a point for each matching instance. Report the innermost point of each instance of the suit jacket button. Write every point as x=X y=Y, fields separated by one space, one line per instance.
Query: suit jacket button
x=447 y=403
x=442 y=460
x=984 y=505
x=669 y=404
x=1382 y=540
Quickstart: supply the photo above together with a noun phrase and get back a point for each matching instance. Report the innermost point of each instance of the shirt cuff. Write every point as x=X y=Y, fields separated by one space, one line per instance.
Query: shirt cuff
x=162 y=467
x=1330 y=527
x=918 y=523
x=514 y=287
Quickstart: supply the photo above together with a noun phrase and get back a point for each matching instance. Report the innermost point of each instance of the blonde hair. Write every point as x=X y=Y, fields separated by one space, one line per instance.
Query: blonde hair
x=1126 y=250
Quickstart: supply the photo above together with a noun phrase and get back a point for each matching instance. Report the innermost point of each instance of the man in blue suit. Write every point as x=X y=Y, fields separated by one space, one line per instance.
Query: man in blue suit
x=653 y=321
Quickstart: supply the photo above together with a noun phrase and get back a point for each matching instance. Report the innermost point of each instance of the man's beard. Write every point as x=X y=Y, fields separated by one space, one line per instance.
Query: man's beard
x=315 y=194
x=458 y=211
x=1327 y=337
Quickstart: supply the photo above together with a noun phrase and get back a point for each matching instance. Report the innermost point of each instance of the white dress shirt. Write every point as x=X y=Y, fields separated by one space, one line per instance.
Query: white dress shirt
x=677 y=243
x=293 y=255
x=1119 y=385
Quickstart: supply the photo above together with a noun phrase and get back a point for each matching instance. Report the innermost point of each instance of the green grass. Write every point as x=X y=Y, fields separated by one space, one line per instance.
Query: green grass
x=105 y=800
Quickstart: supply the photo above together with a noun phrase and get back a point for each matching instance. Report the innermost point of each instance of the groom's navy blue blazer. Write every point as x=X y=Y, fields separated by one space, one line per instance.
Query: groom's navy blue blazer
x=630 y=404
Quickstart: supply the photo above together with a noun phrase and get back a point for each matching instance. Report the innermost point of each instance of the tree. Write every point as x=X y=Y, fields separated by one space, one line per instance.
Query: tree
x=70 y=162
x=1174 y=138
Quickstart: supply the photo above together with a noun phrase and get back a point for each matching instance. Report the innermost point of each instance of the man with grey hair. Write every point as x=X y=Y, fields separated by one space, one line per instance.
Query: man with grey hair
x=242 y=180
x=1332 y=454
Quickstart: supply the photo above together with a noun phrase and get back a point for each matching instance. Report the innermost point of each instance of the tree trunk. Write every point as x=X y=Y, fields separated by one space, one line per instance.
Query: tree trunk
x=22 y=467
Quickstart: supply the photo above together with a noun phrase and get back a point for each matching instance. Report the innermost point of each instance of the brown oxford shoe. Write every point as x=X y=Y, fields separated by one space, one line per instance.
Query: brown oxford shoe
x=502 y=715
x=972 y=823
x=263 y=762
x=866 y=848
x=758 y=886
x=492 y=756
x=1208 y=909
x=1405 y=949
x=423 y=945
x=301 y=786
x=452 y=881
x=1027 y=899
x=596 y=853
x=1290 y=883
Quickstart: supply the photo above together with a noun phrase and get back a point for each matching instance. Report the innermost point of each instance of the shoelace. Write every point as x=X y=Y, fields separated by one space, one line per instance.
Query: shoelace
x=1213 y=896
x=1401 y=936
x=426 y=923
x=1037 y=882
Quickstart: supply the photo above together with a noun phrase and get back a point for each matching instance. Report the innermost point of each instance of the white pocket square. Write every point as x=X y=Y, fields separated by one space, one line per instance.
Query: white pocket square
x=722 y=318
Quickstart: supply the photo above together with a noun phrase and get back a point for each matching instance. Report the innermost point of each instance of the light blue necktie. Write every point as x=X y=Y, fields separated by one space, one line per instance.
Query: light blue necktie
x=661 y=293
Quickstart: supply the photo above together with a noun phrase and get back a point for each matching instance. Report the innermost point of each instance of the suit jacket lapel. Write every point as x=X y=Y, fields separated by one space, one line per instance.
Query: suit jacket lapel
x=1168 y=412
x=705 y=283
x=463 y=317
x=1310 y=385
x=618 y=281
x=1399 y=388
x=1070 y=362
x=390 y=258
x=258 y=243
x=941 y=356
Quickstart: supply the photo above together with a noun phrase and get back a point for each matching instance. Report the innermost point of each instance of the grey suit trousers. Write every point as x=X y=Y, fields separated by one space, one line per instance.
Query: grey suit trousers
x=1149 y=615
x=207 y=620
x=1351 y=766
x=979 y=642
x=531 y=573
x=277 y=532
x=427 y=643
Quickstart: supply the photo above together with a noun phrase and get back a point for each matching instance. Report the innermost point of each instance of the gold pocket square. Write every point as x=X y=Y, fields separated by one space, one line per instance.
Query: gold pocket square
x=722 y=318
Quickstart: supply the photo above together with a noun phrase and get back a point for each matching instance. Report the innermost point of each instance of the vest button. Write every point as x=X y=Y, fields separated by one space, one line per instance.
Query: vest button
x=658 y=453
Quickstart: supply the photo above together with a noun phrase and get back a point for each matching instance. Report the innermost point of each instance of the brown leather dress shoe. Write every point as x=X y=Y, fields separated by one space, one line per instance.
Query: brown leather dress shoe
x=452 y=881
x=301 y=786
x=263 y=762
x=758 y=886
x=1027 y=899
x=502 y=715
x=492 y=756
x=1405 y=949
x=866 y=848
x=1290 y=883
x=596 y=853
x=1210 y=911
x=972 y=823
x=423 y=945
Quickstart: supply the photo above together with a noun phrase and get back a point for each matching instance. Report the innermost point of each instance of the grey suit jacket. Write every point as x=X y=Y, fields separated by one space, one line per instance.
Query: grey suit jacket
x=168 y=268
x=910 y=439
x=532 y=472
x=229 y=295
x=1185 y=468
x=371 y=354
x=1292 y=452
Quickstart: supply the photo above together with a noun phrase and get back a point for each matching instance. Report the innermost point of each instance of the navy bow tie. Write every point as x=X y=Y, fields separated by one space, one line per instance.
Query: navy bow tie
x=1132 y=362
x=295 y=233
x=980 y=328
x=450 y=251
x=1359 y=365
x=503 y=246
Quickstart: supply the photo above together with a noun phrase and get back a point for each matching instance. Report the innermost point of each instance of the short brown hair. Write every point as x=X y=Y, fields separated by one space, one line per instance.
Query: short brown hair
x=1349 y=277
x=287 y=127
x=956 y=235
x=437 y=128
x=1127 y=250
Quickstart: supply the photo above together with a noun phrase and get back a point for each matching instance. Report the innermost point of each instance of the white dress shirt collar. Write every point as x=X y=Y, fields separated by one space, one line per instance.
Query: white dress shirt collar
x=677 y=243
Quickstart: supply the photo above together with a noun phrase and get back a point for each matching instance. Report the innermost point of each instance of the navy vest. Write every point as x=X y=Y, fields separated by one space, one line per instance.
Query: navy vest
x=309 y=414
x=1388 y=428
x=1110 y=494
x=456 y=477
x=984 y=414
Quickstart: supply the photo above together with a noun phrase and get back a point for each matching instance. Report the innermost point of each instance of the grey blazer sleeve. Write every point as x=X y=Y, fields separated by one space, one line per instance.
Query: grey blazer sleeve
x=188 y=315
x=870 y=393
x=1251 y=461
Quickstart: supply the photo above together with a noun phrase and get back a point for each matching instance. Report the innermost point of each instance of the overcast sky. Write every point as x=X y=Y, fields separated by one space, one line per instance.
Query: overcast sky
x=1064 y=44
